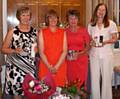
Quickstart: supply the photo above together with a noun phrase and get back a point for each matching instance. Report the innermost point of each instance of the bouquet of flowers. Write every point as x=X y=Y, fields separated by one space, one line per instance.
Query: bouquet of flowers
x=72 y=89
x=59 y=95
x=38 y=89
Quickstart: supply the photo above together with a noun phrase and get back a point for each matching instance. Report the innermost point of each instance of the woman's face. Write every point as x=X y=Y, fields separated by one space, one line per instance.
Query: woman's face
x=53 y=20
x=25 y=18
x=101 y=11
x=73 y=20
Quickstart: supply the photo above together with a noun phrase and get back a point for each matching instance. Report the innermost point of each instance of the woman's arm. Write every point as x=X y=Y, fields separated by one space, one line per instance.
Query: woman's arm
x=83 y=52
x=112 y=40
x=6 y=44
x=41 y=50
x=87 y=40
x=64 y=53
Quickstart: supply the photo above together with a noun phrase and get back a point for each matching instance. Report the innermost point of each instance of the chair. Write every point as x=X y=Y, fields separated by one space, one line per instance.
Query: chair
x=116 y=74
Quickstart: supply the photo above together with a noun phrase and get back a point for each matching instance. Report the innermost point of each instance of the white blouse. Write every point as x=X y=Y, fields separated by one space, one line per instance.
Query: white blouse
x=106 y=33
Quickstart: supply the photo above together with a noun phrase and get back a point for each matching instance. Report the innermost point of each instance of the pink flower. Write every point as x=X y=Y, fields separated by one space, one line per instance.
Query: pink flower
x=38 y=88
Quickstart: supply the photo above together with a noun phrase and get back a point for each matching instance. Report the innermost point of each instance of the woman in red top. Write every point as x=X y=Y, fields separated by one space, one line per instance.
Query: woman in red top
x=78 y=45
x=52 y=45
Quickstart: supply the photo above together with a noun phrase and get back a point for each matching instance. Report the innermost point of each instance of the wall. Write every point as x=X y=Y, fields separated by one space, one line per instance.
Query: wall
x=1 y=34
x=40 y=7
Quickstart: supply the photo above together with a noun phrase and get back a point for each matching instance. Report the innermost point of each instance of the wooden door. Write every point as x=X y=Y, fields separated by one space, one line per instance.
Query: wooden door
x=40 y=7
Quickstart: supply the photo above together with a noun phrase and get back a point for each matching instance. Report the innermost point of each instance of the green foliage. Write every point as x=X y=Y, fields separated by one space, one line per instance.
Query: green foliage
x=73 y=90
x=70 y=90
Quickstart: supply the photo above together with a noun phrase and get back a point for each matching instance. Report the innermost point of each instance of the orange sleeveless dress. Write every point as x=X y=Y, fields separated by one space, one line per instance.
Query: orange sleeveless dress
x=53 y=47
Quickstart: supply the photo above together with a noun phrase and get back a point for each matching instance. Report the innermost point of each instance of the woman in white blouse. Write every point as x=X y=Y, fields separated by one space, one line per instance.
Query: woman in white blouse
x=103 y=33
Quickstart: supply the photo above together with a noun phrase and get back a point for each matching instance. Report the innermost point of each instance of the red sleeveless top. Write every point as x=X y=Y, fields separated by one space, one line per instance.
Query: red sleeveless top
x=53 y=47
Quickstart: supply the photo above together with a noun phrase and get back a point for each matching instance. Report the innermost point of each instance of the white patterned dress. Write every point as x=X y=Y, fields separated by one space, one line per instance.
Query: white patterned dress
x=18 y=65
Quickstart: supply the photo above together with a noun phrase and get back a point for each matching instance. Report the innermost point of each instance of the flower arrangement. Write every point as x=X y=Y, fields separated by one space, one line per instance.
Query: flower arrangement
x=72 y=89
x=59 y=95
x=38 y=87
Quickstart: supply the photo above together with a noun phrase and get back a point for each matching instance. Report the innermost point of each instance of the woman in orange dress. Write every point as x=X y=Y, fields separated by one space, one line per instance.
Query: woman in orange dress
x=53 y=49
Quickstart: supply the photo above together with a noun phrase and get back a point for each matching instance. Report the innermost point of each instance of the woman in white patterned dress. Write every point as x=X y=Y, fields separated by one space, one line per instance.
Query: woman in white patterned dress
x=18 y=47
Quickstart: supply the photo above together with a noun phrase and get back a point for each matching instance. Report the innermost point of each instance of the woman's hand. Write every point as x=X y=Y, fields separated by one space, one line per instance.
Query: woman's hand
x=55 y=69
x=75 y=55
x=92 y=43
x=18 y=50
x=52 y=69
x=72 y=56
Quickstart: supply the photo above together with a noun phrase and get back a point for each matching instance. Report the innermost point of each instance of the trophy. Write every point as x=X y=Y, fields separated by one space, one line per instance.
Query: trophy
x=98 y=41
x=101 y=40
x=70 y=54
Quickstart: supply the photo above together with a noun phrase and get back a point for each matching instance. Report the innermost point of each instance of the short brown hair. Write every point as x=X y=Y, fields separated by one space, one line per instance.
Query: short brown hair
x=21 y=10
x=73 y=12
x=49 y=14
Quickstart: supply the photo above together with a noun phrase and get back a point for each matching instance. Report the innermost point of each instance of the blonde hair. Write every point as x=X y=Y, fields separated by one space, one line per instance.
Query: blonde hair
x=22 y=10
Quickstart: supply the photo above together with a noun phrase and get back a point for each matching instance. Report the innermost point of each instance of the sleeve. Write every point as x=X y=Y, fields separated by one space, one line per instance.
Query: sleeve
x=113 y=27
x=89 y=29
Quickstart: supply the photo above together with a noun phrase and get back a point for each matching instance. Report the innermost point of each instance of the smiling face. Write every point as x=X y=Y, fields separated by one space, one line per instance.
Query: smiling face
x=25 y=17
x=53 y=20
x=24 y=14
x=101 y=11
x=73 y=20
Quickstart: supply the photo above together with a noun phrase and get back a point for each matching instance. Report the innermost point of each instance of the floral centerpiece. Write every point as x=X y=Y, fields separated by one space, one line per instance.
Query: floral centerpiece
x=43 y=89
x=72 y=89
x=38 y=89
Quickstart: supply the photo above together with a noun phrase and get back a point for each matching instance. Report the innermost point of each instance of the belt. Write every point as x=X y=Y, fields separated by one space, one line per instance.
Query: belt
x=72 y=51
